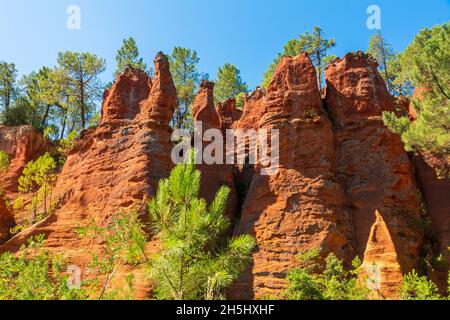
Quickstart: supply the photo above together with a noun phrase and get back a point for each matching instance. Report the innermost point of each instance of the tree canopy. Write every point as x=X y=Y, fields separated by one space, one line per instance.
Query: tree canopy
x=229 y=83
x=425 y=63
x=128 y=55
x=315 y=44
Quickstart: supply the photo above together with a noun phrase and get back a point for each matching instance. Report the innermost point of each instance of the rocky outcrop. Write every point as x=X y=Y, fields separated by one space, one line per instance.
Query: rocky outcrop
x=115 y=167
x=6 y=221
x=229 y=115
x=381 y=267
x=214 y=175
x=300 y=207
x=123 y=100
x=373 y=167
x=343 y=184
x=22 y=144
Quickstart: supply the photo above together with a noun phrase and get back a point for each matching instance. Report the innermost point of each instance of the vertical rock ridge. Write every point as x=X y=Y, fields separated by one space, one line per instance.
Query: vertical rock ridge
x=374 y=168
x=113 y=168
x=123 y=100
x=300 y=207
x=213 y=175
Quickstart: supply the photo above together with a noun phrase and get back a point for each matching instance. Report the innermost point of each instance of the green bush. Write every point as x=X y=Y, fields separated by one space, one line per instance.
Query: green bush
x=313 y=282
x=417 y=287
x=4 y=161
x=35 y=275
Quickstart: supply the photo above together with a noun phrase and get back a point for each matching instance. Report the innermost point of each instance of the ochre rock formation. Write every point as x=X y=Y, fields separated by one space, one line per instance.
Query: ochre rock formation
x=344 y=182
x=381 y=266
x=373 y=167
x=115 y=167
x=22 y=144
x=300 y=207
x=123 y=100
x=214 y=175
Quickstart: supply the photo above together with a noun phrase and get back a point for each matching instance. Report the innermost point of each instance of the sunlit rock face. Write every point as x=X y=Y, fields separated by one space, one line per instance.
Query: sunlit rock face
x=343 y=184
x=113 y=168
x=300 y=207
x=373 y=167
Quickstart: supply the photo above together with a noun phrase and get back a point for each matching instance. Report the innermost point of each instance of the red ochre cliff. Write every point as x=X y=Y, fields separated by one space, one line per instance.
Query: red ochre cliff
x=344 y=183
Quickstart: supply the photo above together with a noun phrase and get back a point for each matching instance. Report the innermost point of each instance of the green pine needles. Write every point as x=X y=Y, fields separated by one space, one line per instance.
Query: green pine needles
x=313 y=281
x=197 y=260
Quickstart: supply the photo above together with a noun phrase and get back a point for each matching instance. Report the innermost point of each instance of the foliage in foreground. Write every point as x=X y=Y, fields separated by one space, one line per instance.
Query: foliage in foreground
x=197 y=260
x=417 y=287
x=123 y=243
x=34 y=274
x=313 y=282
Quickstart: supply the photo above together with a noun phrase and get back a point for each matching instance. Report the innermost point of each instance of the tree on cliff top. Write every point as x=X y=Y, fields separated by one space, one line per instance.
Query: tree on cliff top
x=426 y=63
x=8 y=74
x=82 y=70
x=382 y=51
x=229 y=83
x=185 y=74
x=197 y=261
x=315 y=44
x=128 y=55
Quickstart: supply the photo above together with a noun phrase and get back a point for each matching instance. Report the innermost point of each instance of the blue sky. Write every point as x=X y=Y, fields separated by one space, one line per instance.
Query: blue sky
x=246 y=33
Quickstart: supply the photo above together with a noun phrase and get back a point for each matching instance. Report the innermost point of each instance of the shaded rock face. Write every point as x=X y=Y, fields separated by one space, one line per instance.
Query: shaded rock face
x=22 y=144
x=254 y=108
x=213 y=175
x=300 y=207
x=6 y=221
x=114 y=167
x=436 y=194
x=228 y=114
x=373 y=167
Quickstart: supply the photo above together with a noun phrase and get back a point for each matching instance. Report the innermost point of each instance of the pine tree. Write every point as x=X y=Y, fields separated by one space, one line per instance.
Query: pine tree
x=315 y=44
x=36 y=175
x=8 y=74
x=312 y=281
x=229 y=83
x=415 y=287
x=185 y=74
x=425 y=64
x=82 y=71
x=124 y=241
x=382 y=51
x=128 y=55
x=197 y=260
